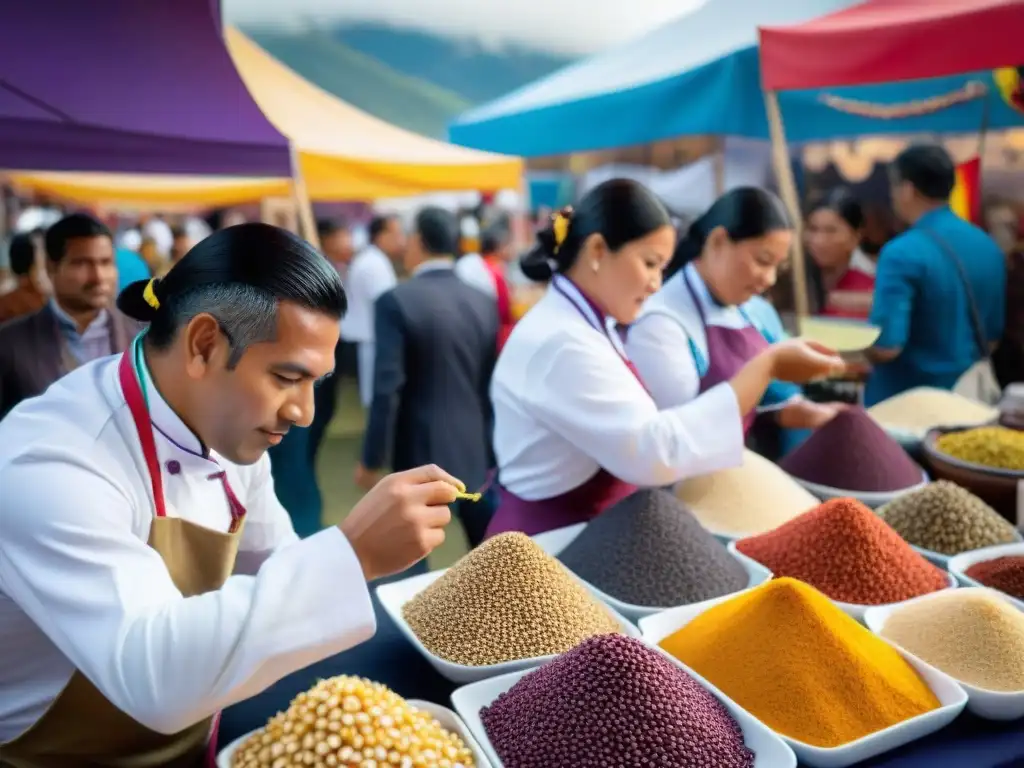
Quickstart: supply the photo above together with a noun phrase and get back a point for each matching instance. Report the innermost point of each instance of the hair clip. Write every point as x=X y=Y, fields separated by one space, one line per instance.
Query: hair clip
x=149 y=293
x=560 y=226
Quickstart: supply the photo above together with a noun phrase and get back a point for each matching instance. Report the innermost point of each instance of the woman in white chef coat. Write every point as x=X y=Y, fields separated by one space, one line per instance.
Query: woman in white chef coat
x=134 y=488
x=575 y=427
x=706 y=323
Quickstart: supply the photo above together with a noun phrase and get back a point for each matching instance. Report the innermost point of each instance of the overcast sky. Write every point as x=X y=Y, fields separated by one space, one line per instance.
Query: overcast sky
x=569 y=26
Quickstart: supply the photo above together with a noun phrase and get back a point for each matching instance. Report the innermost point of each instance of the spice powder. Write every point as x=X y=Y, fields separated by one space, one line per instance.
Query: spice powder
x=844 y=549
x=798 y=663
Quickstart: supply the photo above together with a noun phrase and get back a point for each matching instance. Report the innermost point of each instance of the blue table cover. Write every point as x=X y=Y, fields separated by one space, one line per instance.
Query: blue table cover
x=389 y=659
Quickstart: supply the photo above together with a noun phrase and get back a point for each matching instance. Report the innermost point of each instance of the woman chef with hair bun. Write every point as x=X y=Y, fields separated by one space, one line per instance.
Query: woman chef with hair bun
x=575 y=428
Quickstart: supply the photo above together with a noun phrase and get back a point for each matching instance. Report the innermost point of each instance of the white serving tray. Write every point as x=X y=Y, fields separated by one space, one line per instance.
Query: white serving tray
x=874 y=500
x=554 y=542
x=991 y=705
x=959 y=564
x=397 y=593
x=942 y=560
x=952 y=699
x=448 y=720
x=851 y=609
x=769 y=750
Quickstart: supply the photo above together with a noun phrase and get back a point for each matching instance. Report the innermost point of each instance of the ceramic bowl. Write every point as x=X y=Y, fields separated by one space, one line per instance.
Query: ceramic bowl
x=448 y=720
x=769 y=750
x=1001 y=489
x=958 y=565
x=990 y=705
x=952 y=700
x=874 y=500
x=554 y=542
x=396 y=594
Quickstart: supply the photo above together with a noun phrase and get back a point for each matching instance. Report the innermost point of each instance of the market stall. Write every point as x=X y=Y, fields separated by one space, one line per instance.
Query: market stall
x=700 y=75
x=127 y=87
x=964 y=36
x=343 y=154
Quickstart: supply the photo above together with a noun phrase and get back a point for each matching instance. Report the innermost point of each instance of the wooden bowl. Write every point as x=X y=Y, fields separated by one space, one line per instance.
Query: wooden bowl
x=996 y=487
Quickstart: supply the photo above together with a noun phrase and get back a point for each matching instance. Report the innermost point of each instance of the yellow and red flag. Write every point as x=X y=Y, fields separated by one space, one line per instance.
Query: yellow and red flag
x=966 y=197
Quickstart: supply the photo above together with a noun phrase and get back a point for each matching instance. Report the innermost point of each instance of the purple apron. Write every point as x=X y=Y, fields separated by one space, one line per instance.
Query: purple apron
x=583 y=502
x=729 y=349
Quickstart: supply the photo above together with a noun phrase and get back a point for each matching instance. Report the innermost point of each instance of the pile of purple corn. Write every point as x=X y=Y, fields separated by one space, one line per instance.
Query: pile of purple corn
x=613 y=701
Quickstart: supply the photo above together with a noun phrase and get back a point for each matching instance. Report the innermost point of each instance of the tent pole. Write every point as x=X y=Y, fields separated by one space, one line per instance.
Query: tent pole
x=787 y=187
x=719 y=166
x=307 y=224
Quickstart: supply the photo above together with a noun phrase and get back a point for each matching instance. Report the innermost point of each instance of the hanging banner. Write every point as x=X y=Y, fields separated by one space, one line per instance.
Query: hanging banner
x=1010 y=82
x=965 y=199
x=971 y=91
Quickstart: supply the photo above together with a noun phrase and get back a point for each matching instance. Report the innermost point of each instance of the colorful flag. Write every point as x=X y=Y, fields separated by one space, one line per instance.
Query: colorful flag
x=966 y=198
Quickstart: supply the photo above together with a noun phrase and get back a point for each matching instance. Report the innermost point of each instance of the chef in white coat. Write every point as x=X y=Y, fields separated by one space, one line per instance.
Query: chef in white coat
x=705 y=324
x=148 y=575
x=575 y=428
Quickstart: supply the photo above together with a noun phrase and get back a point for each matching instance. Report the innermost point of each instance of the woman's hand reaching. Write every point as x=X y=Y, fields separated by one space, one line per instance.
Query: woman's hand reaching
x=800 y=361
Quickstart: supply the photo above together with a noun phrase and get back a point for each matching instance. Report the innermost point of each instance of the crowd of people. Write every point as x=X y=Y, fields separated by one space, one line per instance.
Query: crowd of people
x=162 y=553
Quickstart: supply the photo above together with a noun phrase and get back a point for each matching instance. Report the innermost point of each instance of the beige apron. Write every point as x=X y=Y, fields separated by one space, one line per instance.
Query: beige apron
x=82 y=729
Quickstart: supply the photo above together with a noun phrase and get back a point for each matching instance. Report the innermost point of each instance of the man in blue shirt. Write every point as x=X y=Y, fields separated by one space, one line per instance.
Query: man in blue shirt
x=920 y=301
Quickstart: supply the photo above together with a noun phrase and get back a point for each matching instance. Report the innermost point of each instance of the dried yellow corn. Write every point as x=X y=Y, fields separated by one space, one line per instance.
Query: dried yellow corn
x=350 y=722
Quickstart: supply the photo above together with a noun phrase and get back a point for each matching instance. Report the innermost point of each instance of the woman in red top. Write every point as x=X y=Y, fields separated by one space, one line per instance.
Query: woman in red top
x=847 y=274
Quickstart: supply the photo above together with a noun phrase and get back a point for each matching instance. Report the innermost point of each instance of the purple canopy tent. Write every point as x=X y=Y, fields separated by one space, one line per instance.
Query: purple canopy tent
x=129 y=87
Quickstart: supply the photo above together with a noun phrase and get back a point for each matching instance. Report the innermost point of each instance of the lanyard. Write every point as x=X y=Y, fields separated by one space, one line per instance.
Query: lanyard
x=574 y=297
x=136 y=394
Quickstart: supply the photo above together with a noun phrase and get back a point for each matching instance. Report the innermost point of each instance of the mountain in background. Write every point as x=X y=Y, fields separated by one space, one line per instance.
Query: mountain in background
x=465 y=67
x=415 y=80
x=363 y=81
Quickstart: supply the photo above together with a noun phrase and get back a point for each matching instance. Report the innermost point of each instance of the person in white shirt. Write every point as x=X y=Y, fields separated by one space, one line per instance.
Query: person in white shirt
x=148 y=575
x=370 y=274
x=703 y=327
x=575 y=428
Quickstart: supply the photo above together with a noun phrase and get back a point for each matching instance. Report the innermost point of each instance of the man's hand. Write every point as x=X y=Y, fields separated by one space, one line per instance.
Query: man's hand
x=401 y=520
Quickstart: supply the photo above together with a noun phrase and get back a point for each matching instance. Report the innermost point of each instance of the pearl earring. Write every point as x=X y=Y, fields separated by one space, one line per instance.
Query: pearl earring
x=595 y=265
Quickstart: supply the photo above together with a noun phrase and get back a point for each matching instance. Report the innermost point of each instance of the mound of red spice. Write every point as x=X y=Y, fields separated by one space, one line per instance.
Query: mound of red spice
x=853 y=453
x=1004 y=573
x=845 y=550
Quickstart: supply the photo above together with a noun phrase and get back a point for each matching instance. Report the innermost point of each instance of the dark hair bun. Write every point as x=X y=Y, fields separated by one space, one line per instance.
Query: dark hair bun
x=131 y=301
x=539 y=263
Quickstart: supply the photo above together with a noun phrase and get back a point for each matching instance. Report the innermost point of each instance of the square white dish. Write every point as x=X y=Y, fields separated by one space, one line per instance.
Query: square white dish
x=448 y=720
x=396 y=594
x=769 y=750
x=952 y=700
x=959 y=564
x=990 y=705
x=874 y=500
x=942 y=560
x=554 y=542
x=851 y=609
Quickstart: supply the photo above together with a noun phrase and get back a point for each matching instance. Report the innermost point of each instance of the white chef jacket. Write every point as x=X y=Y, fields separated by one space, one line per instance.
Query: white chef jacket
x=472 y=270
x=566 y=405
x=80 y=588
x=669 y=346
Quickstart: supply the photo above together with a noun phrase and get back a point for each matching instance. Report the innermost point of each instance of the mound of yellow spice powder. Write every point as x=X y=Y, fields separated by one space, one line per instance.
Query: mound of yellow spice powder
x=790 y=657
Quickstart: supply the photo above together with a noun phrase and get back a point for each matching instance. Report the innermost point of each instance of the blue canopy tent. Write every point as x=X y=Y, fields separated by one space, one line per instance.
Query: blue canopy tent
x=700 y=75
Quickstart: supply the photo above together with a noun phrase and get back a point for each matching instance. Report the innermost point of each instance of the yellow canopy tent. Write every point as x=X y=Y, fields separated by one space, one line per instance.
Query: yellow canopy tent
x=344 y=154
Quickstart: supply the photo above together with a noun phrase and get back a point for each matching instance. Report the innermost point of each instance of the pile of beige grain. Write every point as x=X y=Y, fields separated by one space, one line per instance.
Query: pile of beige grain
x=751 y=499
x=918 y=410
x=970 y=634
